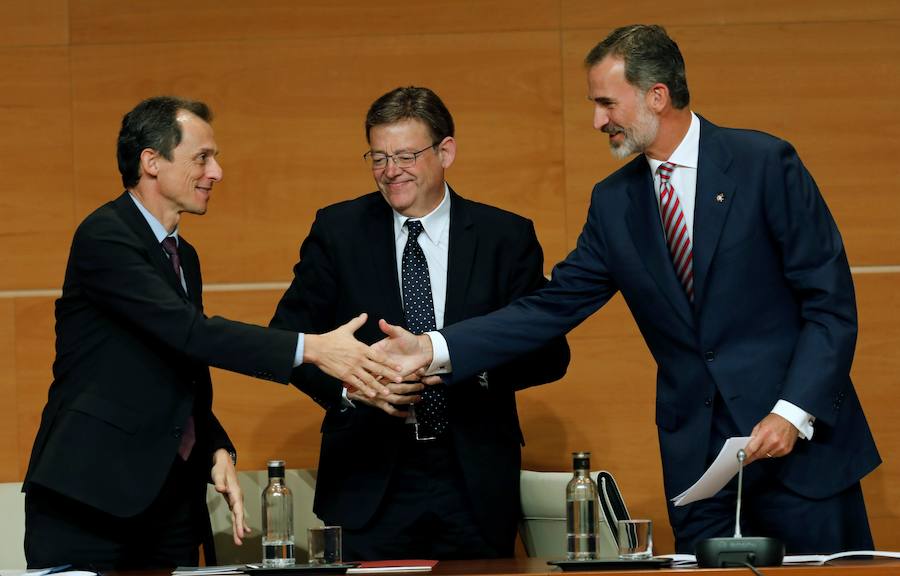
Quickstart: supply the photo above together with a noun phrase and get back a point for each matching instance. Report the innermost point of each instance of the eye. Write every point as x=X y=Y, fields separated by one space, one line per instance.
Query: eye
x=406 y=157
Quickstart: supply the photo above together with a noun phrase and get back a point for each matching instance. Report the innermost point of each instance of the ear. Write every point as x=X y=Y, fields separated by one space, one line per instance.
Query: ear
x=657 y=97
x=447 y=151
x=150 y=162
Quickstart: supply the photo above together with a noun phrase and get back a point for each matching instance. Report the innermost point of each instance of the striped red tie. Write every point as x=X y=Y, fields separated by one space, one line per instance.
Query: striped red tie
x=675 y=226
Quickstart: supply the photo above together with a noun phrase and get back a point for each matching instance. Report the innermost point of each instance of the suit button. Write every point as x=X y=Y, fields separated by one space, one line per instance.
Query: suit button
x=707 y=402
x=710 y=356
x=177 y=431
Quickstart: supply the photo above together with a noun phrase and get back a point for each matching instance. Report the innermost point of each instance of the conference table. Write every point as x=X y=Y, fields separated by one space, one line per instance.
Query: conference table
x=539 y=567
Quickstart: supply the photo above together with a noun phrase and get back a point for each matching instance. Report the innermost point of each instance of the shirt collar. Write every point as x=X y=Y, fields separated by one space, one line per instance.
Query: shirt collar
x=433 y=223
x=687 y=152
x=158 y=229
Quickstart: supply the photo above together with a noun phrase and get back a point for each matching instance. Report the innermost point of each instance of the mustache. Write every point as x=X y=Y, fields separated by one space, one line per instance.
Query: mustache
x=612 y=129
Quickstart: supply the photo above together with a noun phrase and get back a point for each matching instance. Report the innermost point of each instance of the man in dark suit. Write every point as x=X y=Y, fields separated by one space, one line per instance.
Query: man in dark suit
x=735 y=272
x=128 y=440
x=440 y=478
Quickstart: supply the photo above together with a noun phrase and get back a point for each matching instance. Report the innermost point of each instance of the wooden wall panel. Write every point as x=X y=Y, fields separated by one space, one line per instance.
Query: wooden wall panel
x=299 y=147
x=590 y=14
x=290 y=83
x=108 y=21
x=34 y=353
x=827 y=88
x=9 y=432
x=34 y=23
x=35 y=166
x=875 y=371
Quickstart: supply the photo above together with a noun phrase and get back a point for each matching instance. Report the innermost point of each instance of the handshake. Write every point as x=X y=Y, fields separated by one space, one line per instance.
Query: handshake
x=385 y=374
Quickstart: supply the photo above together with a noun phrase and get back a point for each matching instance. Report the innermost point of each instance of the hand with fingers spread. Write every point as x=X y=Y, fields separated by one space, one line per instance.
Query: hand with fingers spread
x=773 y=437
x=407 y=351
x=225 y=480
x=401 y=395
x=339 y=354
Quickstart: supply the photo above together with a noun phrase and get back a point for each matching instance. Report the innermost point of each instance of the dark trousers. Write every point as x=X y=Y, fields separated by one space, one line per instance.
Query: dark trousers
x=804 y=525
x=425 y=513
x=59 y=530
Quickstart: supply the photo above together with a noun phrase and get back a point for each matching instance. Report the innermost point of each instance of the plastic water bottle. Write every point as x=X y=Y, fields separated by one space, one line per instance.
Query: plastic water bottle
x=582 y=507
x=277 y=519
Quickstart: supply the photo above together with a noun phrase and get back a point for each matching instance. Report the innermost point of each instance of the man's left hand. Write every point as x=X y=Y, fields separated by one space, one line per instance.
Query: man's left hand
x=773 y=437
x=225 y=479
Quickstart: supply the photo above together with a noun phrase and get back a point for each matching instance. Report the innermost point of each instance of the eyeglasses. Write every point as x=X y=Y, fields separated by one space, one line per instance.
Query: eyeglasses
x=379 y=160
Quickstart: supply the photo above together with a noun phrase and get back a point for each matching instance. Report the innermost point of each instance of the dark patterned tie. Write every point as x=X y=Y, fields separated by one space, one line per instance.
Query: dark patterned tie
x=677 y=238
x=418 y=306
x=189 y=434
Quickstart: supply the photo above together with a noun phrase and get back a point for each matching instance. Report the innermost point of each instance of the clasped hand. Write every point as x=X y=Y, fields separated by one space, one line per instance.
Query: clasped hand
x=408 y=355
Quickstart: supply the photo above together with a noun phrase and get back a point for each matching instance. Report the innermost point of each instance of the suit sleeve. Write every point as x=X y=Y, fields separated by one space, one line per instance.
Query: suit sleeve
x=117 y=275
x=549 y=362
x=308 y=306
x=816 y=267
x=579 y=286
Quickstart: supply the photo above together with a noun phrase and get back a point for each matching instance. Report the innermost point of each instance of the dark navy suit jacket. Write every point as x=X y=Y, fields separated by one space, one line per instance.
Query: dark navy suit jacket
x=774 y=315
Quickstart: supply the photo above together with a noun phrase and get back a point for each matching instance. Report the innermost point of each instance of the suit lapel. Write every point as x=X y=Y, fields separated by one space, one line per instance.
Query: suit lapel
x=460 y=258
x=138 y=224
x=646 y=232
x=715 y=194
x=380 y=244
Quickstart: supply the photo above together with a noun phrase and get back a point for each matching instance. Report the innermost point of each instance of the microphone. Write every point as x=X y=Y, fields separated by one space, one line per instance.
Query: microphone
x=738 y=550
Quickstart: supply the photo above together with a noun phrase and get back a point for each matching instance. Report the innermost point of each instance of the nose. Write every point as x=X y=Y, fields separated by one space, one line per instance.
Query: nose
x=601 y=118
x=214 y=170
x=391 y=169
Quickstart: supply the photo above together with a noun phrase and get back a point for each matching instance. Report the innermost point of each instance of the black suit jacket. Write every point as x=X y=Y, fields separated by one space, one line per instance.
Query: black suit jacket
x=348 y=265
x=132 y=357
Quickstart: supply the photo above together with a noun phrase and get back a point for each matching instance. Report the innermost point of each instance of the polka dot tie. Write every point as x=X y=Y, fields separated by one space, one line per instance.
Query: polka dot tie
x=418 y=305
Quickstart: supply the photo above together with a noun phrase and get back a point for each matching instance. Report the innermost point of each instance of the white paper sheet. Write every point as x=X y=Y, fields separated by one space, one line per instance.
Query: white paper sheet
x=723 y=469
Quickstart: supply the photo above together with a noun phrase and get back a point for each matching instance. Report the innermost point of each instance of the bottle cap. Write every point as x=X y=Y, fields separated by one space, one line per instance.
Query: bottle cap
x=581 y=460
x=276 y=468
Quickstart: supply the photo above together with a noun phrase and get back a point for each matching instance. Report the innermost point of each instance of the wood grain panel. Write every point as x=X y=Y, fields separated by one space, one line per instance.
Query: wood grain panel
x=293 y=142
x=875 y=370
x=827 y=88
x=108 y=21
x=34 y=354
x=9 y=430
x=35 y=166
x=34 y=23
x=587 y=13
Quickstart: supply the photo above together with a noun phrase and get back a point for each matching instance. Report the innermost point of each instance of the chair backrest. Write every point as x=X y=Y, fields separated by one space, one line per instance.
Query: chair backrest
x=302 y=484
x=12 y=526
x=543 y=524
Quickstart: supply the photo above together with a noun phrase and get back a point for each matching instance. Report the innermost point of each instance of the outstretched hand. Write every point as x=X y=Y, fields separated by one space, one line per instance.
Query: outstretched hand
x=406 y=351
x=339 y=354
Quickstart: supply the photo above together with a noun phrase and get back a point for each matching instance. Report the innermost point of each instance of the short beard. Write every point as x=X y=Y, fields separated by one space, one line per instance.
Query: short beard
x=637 y=138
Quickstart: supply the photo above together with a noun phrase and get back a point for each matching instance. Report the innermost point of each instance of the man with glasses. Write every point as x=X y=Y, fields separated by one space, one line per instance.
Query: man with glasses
x=427 y=472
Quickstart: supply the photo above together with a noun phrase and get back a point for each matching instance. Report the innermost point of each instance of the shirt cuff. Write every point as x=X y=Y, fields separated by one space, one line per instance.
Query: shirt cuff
x=803 y=421
x=346 y=402
x=298 y=355
x=440 y=355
